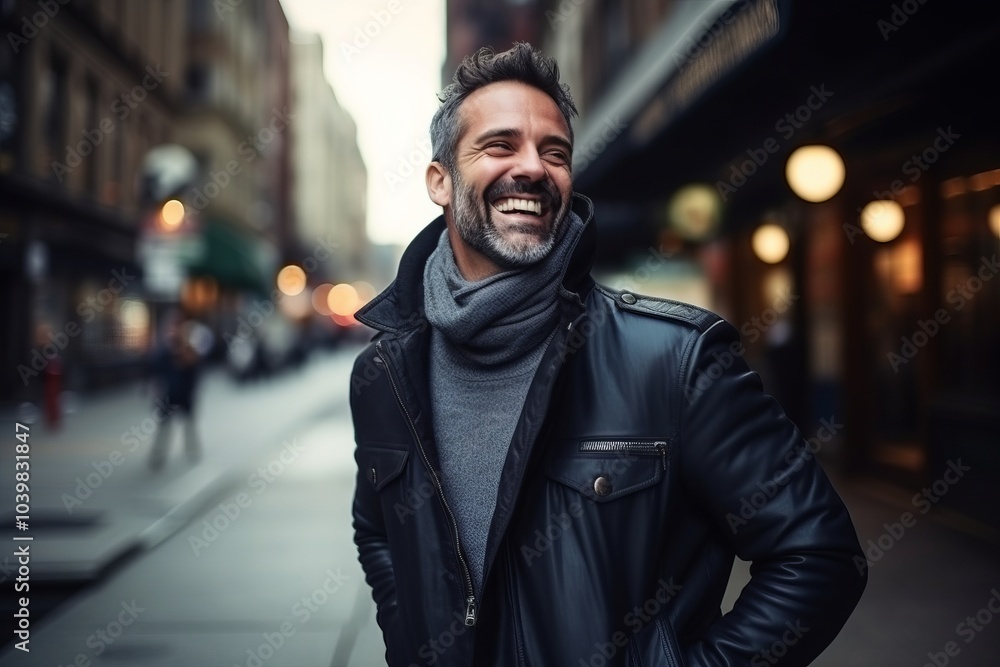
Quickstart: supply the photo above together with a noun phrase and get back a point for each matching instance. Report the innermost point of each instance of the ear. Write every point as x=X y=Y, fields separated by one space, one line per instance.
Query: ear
x=439 y=184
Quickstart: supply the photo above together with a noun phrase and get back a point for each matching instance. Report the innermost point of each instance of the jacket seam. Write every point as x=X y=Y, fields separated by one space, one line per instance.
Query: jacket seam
x=681 y=409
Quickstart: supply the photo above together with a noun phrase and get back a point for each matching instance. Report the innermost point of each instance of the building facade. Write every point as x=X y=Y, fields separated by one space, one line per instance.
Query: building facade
x=877 y=318
x=330 y=176
x=86 y=88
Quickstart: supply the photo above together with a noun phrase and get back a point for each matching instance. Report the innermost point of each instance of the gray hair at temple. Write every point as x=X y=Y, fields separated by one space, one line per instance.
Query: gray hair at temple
x=521 y=63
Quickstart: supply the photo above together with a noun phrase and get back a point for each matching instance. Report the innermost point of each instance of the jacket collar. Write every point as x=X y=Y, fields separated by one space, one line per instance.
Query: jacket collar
x=401 y=305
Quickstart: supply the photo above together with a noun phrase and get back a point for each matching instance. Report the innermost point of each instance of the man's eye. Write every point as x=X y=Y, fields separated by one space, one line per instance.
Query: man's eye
x=499 y=145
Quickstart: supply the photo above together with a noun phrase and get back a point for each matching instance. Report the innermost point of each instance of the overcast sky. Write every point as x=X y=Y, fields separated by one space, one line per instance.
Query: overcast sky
x=386 y=71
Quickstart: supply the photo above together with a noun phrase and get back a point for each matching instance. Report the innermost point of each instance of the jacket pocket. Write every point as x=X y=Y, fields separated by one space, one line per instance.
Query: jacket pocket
x=606 y=468
x=380 y=465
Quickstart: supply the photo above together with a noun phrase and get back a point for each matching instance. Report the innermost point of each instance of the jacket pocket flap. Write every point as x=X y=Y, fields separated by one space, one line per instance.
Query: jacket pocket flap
x=381 y=465
x=607 y=474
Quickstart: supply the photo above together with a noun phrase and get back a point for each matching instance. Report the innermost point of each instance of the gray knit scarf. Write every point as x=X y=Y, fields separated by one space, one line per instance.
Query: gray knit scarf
x=496 y=320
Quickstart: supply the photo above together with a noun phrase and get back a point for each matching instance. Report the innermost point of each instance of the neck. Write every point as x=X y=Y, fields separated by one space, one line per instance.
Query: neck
x=472 y=264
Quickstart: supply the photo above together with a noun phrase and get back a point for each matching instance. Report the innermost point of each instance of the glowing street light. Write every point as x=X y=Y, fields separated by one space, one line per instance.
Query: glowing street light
x=882 y=219
x=291 y=280
x=994 y=218
x=815 y=173
x=770 y=243
x=343 y=300
x=172 y=215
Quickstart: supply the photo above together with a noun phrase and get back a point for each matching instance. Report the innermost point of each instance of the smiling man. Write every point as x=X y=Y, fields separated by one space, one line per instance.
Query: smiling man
x=540 y=479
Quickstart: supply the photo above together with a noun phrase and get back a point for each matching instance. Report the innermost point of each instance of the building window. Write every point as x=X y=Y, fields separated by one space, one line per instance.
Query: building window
x=91 y=164
x=197 y=82
x=53 y=102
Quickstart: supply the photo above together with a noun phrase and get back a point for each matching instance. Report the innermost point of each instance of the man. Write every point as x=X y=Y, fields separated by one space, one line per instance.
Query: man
x=554 y=473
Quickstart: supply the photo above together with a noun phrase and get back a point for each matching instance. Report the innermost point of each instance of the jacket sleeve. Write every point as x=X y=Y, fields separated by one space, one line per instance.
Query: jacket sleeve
x=756 y=478
x=373 y=546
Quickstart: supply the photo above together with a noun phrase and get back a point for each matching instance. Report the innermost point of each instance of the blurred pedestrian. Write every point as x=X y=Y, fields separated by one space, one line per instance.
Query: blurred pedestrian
x=177 y=365
x=551 y=472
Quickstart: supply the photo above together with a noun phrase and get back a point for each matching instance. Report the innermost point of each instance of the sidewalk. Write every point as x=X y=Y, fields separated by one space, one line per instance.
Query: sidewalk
x=266 y=577
x=94 y=499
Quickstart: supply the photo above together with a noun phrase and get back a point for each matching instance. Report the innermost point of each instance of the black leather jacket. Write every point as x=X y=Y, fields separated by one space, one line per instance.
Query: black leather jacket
x=646 y=457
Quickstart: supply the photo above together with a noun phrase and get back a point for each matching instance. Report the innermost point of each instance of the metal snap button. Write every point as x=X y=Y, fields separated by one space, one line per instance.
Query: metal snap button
x=602 y=486
x=629 y=298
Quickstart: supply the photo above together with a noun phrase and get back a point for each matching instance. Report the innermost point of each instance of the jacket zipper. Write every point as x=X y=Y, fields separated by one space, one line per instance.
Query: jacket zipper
x=630 y=446
x=470 y=600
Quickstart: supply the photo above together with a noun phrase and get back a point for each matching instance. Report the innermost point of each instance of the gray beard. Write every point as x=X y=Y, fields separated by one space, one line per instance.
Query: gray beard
x=474 y=223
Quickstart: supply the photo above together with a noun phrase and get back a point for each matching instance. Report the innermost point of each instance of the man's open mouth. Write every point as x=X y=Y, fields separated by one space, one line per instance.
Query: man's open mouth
x=517 y=205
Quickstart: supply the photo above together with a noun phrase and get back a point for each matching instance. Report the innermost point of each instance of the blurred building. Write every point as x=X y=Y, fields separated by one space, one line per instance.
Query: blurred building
x=885 y=322
x=86 y=89
x=473 y=24
x=331 y=180
x=238 y=122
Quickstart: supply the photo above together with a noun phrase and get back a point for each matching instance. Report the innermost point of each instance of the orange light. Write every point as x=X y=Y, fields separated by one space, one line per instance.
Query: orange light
x=172 y=215
x=320 y=298
x=344 y=320
x=343 y=300
x=291 y=280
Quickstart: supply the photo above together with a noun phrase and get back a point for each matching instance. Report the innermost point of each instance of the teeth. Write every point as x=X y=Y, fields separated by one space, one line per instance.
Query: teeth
x=512 y=204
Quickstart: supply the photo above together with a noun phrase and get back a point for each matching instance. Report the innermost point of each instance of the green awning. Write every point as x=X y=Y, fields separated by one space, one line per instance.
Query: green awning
x=233 y=258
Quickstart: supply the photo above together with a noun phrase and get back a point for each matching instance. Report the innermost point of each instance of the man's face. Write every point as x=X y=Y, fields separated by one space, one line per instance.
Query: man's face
x=512 y=183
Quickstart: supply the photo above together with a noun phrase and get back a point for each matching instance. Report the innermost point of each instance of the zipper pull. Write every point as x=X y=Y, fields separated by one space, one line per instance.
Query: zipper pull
x=470 y=611
x=662 y=446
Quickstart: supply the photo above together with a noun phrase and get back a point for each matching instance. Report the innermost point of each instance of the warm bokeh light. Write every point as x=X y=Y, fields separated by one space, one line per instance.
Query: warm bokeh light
x=882 y=219
x=297 y=306
x=366 y=292
x=320 y=298
x=172 y=214
x=815 y=173
x=994 y=218
x=343 y=300
x=291 y=280
x=770 y=243
x=695 y=211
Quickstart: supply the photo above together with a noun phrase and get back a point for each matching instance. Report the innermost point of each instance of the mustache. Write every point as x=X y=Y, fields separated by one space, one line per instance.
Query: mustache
x=542 y=189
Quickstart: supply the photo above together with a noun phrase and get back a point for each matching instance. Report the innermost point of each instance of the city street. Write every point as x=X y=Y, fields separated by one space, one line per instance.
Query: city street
x=257 y=566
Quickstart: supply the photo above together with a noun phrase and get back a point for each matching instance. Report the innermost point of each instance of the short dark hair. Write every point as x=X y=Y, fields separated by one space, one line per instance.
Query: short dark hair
x=523 y=63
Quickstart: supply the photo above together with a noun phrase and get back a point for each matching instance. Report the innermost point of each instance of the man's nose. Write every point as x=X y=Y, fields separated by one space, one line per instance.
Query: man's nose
x=529 y=165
